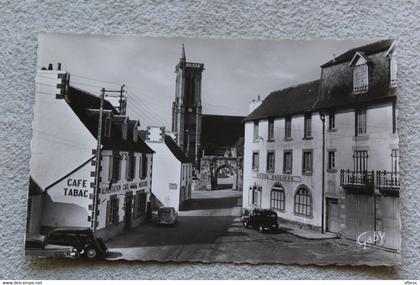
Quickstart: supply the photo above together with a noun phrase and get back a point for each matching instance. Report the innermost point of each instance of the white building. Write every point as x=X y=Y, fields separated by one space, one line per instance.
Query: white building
x=63 y=161
x=355 y=100
x=172 y=171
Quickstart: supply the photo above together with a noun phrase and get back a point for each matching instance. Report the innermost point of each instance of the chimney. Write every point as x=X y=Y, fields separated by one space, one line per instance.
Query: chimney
x=254 y=104
x=333 y=57
x=50 y=66
x=59 y=66
x=155 y=134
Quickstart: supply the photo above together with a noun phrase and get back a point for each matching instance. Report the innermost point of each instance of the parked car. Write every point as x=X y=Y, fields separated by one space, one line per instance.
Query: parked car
x=81 y=241
x=261 y=220
x=36 y=246
x=166 y=216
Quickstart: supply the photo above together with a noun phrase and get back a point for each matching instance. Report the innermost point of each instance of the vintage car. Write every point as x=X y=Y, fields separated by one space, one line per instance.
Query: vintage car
x=81 y=241
x=166 y=216
x=36 y=246
x=261 y=220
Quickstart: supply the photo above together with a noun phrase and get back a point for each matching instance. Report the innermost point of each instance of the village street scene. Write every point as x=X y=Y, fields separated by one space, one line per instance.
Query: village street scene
x=302 y=171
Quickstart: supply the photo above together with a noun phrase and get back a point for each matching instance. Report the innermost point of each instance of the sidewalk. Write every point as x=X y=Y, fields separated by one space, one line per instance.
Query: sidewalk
x=306 y=234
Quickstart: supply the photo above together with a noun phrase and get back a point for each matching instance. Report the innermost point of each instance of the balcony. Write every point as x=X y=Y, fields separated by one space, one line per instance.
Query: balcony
x=358 y=182
x=388 y=183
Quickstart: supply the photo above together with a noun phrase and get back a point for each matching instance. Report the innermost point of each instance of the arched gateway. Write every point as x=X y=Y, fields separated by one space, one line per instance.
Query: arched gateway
x=214 y=167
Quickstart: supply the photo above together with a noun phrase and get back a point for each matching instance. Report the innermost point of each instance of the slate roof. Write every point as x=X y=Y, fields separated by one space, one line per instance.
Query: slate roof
x=287 y=102
x=81 y=101
x=219 y=132
x=172 y=146
x=366 y=50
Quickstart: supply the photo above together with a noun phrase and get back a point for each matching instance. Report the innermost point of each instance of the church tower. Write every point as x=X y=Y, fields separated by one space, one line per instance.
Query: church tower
x=186 y=109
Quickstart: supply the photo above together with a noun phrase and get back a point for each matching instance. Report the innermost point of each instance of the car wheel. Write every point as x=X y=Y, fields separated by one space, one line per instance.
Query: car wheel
x=91 y=253
x=260 y=229
x=245 y=225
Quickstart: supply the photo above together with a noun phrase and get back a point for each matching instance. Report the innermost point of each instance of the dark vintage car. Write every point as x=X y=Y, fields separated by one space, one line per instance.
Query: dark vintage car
x=81 y=241
x=36 y=246
x=166 y=216
x=261 y=220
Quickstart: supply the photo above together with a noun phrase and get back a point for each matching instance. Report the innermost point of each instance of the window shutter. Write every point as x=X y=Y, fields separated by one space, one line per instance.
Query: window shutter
x=110 y=168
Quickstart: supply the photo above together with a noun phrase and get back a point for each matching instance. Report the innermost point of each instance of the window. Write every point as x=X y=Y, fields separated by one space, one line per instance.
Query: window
x=360 y=122
x=307 y=162
x=131 y=166
x=287 y=161
x=140 y=200
x=271 y=130
x=331 y=121
x=114 y=167
x=395 y=155
x=143 y=166
x=288 y=128
x=331 y=160
x=277 y=197
x=307 y=126
x=393 y=70
x=112 y=211
x=255 y=161
x=303 y=202
x=360 y=160
x=360 y=77
x=270 y=161
x=256 y=135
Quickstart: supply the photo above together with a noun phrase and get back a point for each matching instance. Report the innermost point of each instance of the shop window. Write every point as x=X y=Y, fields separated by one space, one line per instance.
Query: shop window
x=277 y=197
x=303 y=202
x=112 y=211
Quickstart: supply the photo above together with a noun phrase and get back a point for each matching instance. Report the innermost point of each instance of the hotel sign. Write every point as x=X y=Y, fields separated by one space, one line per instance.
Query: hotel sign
x=278 y=177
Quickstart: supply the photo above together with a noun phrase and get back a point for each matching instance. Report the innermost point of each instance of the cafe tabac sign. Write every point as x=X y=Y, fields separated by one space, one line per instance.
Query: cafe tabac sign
x=277 y=177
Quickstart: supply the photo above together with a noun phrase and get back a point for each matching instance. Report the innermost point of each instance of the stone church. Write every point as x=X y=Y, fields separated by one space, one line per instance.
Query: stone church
x=206 y=139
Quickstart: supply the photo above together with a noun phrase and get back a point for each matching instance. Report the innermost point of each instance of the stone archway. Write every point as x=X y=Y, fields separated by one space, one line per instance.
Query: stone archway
x=211 y=165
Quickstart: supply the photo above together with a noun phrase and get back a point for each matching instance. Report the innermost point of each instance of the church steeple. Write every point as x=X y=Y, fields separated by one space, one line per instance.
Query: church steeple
x=183 y=58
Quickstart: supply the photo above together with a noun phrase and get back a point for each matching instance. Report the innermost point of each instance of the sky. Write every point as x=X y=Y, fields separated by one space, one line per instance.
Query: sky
x=236 y=71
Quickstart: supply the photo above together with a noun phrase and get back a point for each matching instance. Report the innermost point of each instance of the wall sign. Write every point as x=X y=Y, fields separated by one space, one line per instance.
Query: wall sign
x=278 y=177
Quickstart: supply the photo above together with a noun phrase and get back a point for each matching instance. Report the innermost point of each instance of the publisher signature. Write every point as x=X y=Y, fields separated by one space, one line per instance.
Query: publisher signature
x=370 y=237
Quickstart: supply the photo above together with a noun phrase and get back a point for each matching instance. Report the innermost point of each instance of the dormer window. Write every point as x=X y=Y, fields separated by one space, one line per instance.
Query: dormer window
x=360 y=73
x=393 y=70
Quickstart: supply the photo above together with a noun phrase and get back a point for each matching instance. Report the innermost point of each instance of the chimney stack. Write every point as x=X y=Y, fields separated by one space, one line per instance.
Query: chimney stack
x=59 y=66
x=50 y=66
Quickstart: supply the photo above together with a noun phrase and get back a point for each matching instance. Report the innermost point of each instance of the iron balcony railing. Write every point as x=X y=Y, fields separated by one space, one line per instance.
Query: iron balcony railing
x=358 y=181
x=388 y=182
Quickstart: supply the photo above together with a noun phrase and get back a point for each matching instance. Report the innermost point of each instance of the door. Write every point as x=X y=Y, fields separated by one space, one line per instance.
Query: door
x=128 y=205
x=360 y=216
x=390 y=209
x=333 y=223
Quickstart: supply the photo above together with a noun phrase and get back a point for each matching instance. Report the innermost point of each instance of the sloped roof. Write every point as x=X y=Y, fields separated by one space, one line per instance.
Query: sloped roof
x=290 y=101
x=81 y=101
x=172 y=146
x=34 y=188
x=366 y=50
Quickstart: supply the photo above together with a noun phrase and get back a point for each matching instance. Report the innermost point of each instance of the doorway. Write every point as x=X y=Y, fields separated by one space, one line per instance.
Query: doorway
x=128 y=206
x=333 y=222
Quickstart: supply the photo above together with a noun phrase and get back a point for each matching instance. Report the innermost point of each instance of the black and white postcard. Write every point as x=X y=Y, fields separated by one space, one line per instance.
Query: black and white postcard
x=204 y=150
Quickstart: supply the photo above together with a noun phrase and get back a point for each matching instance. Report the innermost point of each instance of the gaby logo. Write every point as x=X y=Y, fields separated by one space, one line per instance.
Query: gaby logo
x=364 y=238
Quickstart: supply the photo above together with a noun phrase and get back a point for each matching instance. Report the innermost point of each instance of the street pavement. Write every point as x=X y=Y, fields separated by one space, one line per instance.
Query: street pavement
x=210 y=230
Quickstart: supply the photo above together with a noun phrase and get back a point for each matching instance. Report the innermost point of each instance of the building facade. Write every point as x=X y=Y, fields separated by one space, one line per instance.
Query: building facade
x=330 y=161
x=63 y=163
x=172 y=171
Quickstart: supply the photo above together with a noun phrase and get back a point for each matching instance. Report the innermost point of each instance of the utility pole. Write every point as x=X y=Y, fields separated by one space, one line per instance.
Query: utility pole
x=96 y=190
x=322 y=115
x=122 y=106
x=98 y=162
